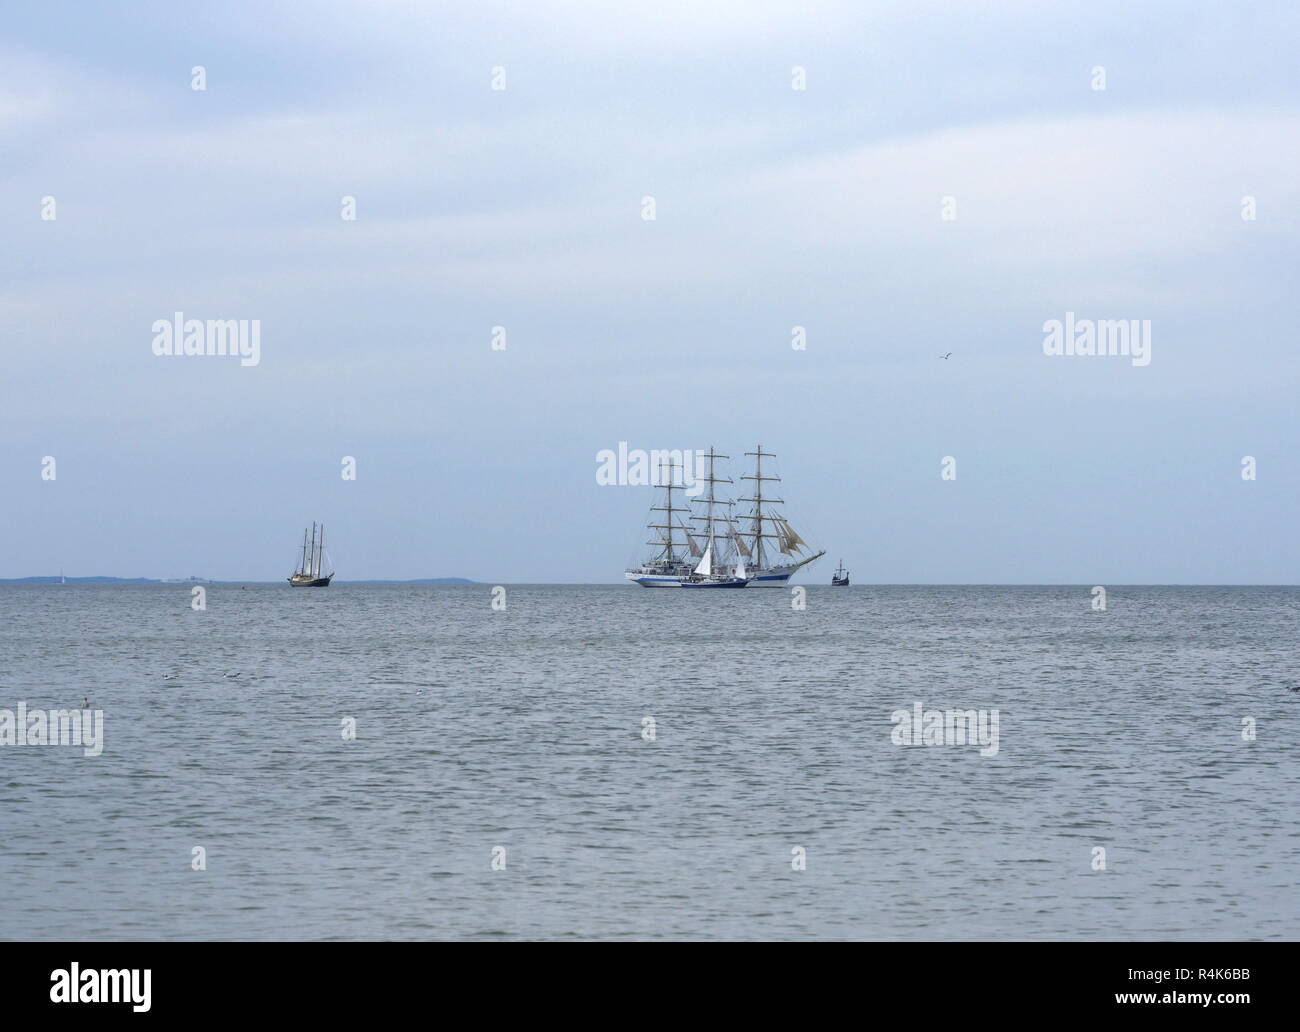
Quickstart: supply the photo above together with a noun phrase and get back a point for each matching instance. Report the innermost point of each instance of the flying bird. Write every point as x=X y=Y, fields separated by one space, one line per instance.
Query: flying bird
x=949 y=355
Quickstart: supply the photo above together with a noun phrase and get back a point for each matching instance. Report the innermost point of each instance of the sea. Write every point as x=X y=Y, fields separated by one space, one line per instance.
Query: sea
x=572 y=762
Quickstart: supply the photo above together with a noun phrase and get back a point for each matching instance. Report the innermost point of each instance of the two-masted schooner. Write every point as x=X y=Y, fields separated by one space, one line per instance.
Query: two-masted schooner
x=311 y=562
x=717 y=553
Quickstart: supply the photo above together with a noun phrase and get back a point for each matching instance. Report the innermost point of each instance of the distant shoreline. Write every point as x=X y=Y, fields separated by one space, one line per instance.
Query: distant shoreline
x=157 y=580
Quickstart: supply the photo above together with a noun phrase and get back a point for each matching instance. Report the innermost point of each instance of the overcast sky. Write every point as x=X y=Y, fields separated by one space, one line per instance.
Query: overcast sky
x=775 y=207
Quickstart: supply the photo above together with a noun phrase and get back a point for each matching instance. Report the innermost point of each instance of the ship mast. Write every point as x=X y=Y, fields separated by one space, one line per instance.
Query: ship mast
x=758 y=500
x=302 y=565
x=711 y=500
x=321 y=555
x=669 y=554
x=313 y=549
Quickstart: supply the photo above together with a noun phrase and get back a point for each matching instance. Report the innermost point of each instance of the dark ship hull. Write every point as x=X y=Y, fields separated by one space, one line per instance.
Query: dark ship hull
x=312 y=562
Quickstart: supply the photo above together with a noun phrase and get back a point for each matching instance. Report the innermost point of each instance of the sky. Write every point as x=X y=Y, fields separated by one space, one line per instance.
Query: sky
x=828 y=208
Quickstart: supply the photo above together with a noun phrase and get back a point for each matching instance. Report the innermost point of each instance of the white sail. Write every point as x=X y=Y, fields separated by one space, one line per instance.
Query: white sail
x=705 y=567
x=740 y=569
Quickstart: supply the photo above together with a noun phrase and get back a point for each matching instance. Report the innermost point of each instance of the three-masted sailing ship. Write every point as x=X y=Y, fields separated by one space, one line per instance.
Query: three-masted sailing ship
x=717 y=553
x=308 y=574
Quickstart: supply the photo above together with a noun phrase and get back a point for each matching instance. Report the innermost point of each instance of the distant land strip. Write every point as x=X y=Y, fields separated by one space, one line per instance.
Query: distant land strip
x=200 y=580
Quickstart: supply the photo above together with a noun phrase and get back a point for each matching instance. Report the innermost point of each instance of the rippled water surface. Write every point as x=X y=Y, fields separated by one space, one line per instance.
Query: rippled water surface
x=523 y=729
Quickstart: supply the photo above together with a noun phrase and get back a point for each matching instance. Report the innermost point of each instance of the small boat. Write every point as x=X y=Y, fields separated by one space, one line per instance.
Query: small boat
x=308 y=574
x=840 y=578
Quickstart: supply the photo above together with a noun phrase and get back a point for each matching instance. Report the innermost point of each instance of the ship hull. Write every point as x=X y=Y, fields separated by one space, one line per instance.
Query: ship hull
x=714 y=584
x=779 y=576
x=771 y=579
x=653 y=580
x=309 y=582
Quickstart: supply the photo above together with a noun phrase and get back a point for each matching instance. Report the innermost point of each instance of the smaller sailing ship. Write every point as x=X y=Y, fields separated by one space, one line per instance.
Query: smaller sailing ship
x=708 y=574
x=308 y=574
x=840 y=578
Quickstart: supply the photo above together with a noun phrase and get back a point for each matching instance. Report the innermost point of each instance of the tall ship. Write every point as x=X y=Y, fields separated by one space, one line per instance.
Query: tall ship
x=686 y=556
x=773 y=547
x=713 y=547
x=311 y=562
x=840 y=578
x=675 y=552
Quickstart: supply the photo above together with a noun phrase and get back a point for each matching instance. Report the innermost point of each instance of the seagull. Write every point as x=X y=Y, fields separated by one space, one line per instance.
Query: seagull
x=235 y=674
x=170 y=677
x=949 y=355
x=86 y=703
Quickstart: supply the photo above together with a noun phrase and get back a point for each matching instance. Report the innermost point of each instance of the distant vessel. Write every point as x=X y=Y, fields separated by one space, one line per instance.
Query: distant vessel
x=675 y=551
x=720 y=555
x=308 y=574
x=840 y=578
x=62 y=579
x=687 y=557
x=769 y=525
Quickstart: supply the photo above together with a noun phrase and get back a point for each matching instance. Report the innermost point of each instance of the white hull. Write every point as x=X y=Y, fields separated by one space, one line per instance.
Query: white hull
x=653 y=580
